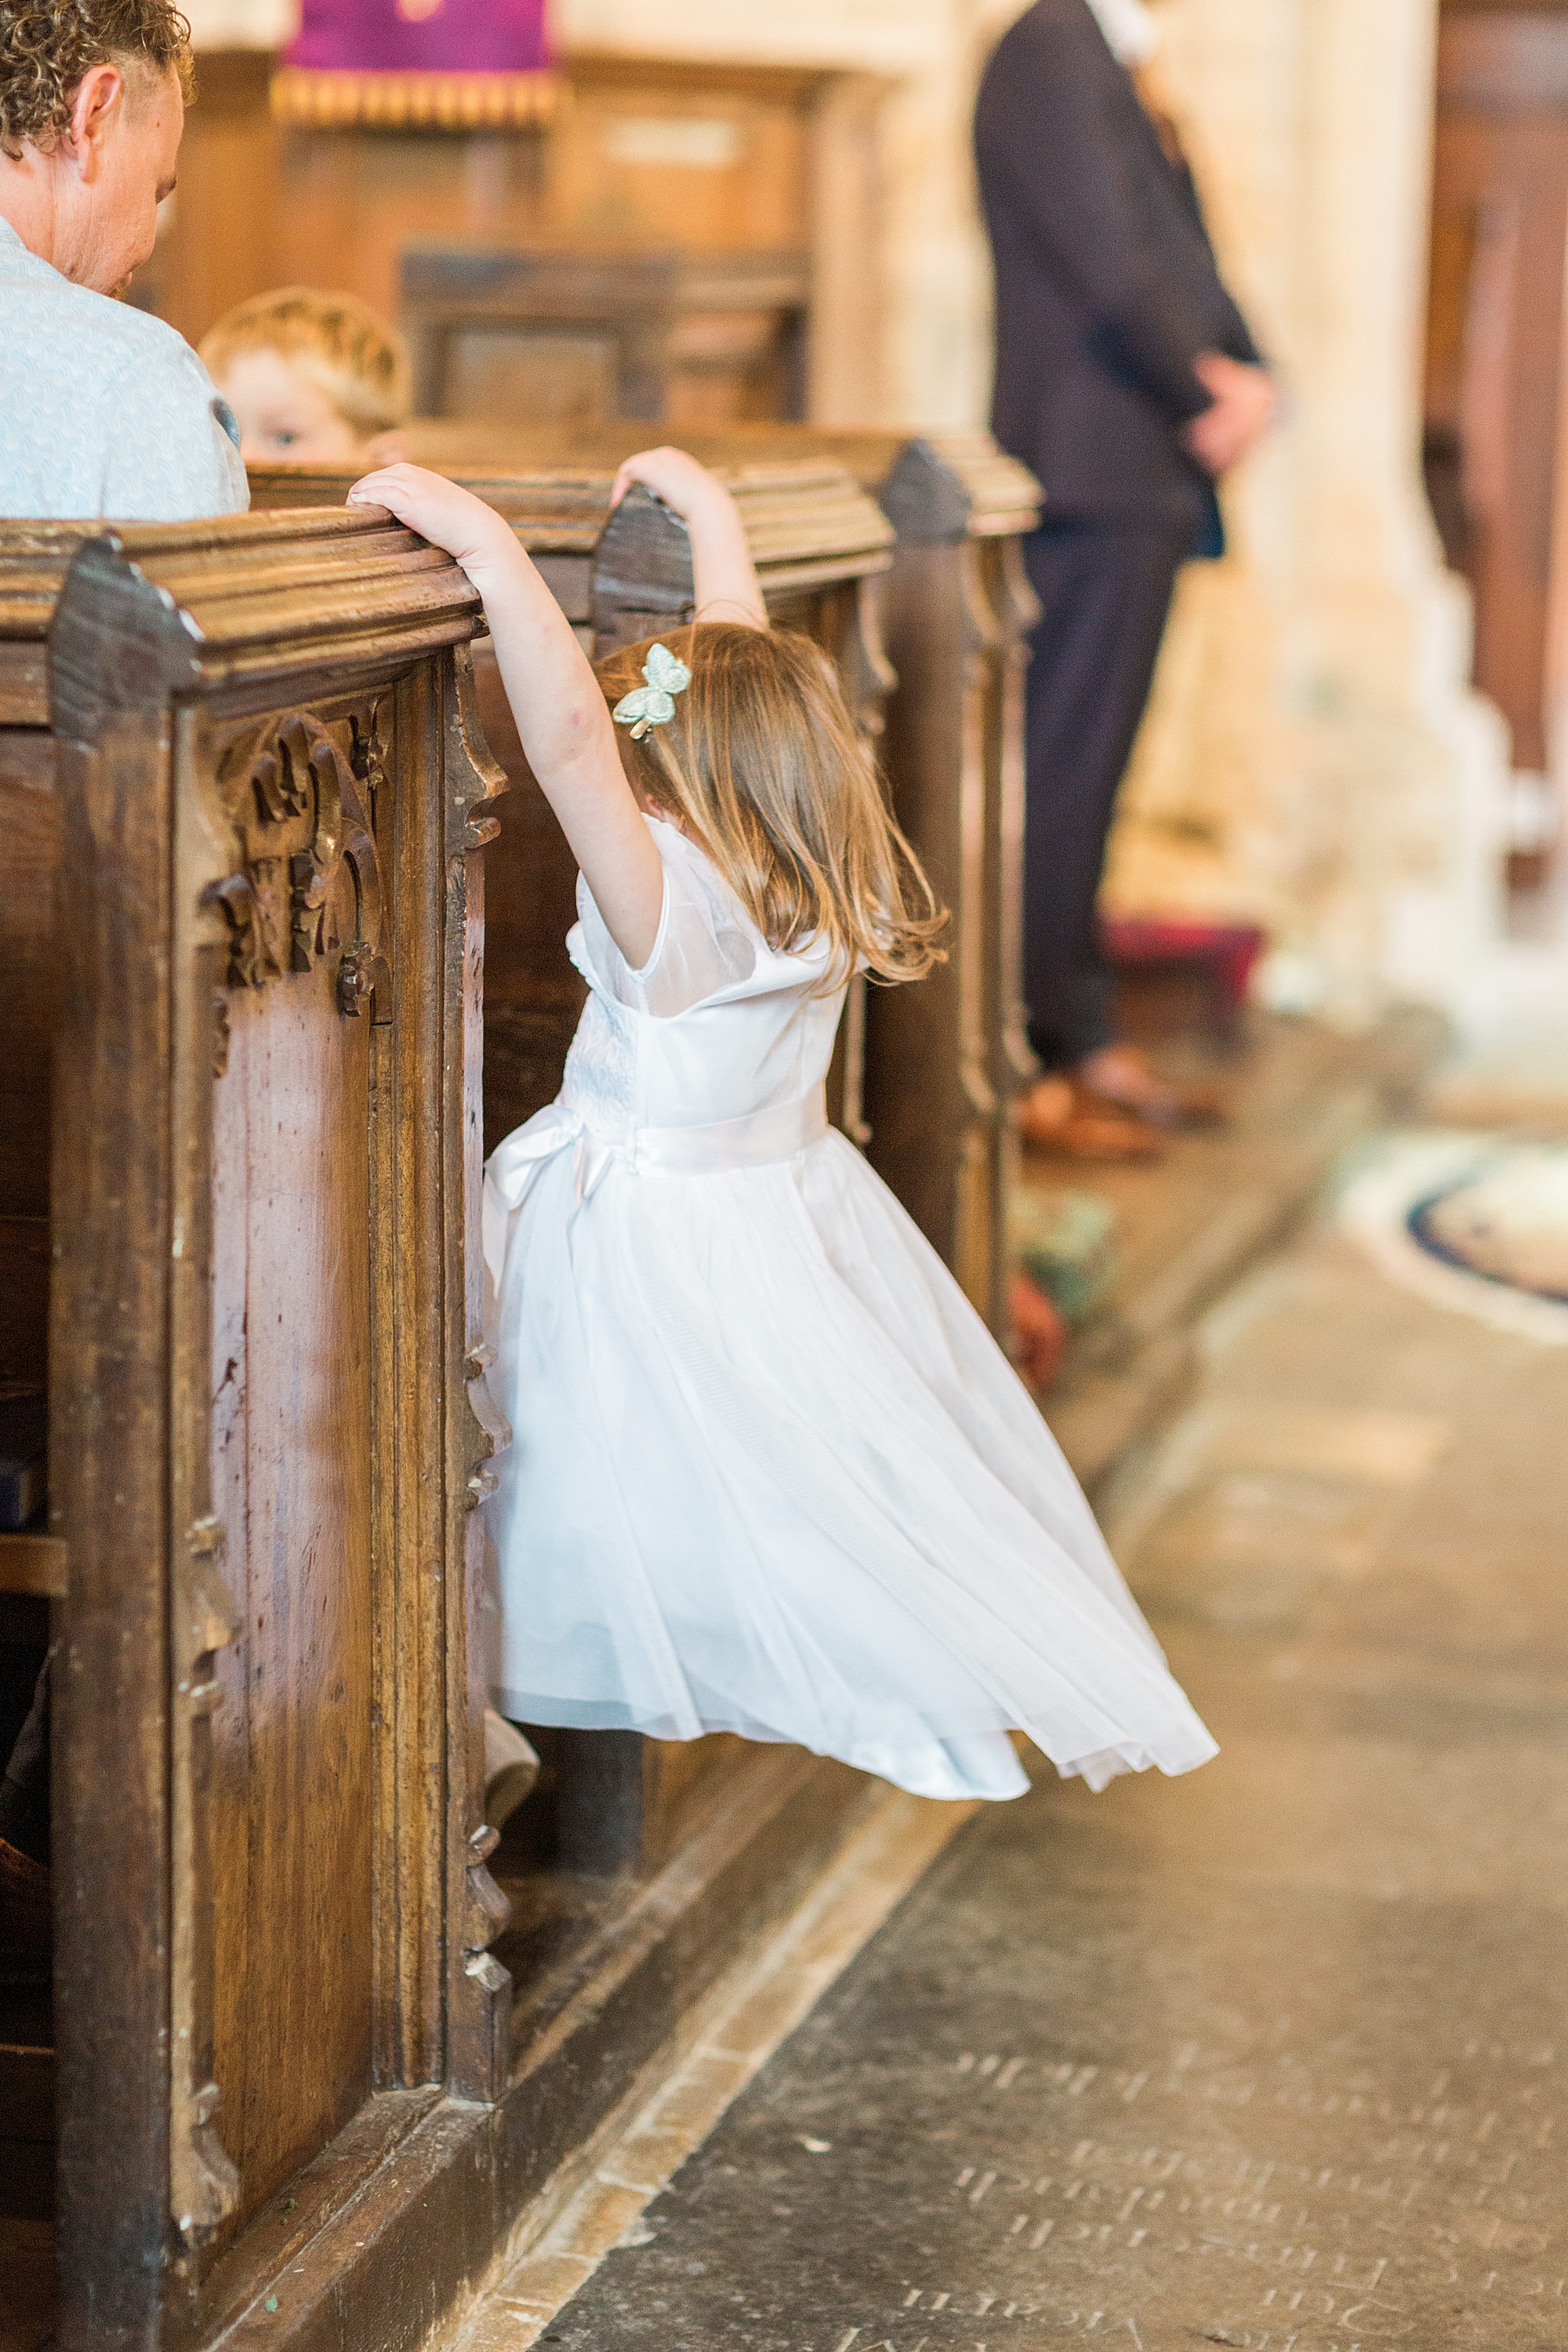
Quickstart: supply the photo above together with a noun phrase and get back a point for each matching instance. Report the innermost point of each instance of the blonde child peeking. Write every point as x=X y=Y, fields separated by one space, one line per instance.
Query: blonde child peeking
x=770 y=1472
x=312 y=378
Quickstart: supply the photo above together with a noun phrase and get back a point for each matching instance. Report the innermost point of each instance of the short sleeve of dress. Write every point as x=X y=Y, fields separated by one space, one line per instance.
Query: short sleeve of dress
x=705 y=942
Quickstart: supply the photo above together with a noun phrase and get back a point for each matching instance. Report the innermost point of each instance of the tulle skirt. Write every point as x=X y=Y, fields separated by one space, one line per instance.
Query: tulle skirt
x=771 y=1474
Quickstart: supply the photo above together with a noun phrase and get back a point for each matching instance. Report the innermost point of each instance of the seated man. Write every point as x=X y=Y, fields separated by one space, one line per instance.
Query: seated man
x=103 y=410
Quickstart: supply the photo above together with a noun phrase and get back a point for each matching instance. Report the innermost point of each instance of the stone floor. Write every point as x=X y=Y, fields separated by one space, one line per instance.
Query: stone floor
x=1296 y=1094
x=1270 y=2056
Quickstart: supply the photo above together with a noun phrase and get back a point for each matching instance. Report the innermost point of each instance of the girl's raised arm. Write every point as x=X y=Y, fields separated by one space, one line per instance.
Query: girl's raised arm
x=565 y=729
x=726 y=581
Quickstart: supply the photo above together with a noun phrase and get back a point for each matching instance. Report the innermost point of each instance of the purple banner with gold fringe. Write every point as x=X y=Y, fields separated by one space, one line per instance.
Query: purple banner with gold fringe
x=443 y=63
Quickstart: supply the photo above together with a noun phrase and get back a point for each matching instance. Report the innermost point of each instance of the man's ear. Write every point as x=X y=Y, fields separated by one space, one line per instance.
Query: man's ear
x=94 y=112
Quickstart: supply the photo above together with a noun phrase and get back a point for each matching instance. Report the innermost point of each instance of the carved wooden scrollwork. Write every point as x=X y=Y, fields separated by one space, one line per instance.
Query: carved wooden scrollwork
x=495 y=1430
x=310 y=883
x=486 y=1913
x=203 y=2182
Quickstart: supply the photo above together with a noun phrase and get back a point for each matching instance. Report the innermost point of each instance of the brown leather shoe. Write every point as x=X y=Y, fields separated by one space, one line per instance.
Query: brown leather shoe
x=1038 y=1333
x=1124 y=1077
x=1061 y=1117
x=27 y=1918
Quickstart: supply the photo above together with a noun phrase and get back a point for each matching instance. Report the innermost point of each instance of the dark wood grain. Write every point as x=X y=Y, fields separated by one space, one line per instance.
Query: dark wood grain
x=109 y=1501
x=291 y=1382
x=264 y=1442
x=533 y=995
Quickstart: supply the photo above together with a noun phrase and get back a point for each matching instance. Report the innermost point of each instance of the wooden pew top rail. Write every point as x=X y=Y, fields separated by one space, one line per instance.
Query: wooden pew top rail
x=946 y=484
x=809 y=521
x=252 y=596
x=33 y=560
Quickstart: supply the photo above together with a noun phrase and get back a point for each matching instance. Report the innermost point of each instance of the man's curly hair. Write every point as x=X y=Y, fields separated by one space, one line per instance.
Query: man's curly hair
x=47 y=45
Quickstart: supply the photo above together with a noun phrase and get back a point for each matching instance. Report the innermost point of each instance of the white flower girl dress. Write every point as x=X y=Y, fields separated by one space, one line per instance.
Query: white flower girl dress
x=769 y=1474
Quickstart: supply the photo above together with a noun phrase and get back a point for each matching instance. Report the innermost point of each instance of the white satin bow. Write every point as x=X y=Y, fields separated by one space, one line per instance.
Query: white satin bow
x=755 y=1140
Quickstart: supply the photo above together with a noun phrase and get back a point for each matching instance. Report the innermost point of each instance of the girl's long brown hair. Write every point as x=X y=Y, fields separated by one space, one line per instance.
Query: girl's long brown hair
x=762 y=765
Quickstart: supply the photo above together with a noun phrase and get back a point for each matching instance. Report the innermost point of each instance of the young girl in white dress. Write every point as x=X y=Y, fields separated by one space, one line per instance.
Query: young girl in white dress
x=769 y=1474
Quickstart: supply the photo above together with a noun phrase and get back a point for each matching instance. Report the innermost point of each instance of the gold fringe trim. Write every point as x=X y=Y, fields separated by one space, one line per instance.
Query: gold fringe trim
x=336 y=99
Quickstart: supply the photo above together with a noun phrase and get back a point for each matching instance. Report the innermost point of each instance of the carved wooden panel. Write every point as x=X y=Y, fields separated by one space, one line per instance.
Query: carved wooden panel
x=308 y=886
x=293 y=1455
x=270 y=1424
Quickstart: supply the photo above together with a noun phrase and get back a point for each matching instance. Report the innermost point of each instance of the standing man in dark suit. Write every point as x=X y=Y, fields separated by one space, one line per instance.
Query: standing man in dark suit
x=1128 y=382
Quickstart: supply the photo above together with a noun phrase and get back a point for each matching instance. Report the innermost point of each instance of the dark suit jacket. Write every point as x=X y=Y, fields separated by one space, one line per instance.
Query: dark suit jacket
x=1107 y=285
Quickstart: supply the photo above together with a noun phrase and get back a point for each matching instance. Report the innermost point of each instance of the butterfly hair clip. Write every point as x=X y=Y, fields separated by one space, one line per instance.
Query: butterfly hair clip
x=653 y=705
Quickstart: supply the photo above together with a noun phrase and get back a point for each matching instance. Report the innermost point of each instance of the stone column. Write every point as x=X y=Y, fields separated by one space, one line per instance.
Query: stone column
x=1313 y=754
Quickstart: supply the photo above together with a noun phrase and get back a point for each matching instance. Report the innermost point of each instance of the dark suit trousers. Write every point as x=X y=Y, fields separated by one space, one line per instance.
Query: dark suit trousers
x=1105 y=587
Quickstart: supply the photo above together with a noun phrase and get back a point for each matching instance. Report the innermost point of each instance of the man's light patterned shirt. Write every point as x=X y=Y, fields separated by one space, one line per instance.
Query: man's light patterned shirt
x=104 y=411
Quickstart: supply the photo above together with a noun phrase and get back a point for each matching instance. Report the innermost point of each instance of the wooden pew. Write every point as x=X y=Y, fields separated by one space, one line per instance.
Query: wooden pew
x=264 y=804
x=585 y=335
x=268 y=1418
x=303 y=610
x=624 y=1804
x=944 y=1062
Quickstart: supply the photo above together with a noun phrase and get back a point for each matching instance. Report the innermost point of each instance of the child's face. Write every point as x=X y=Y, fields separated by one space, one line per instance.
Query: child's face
x=284 y=419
